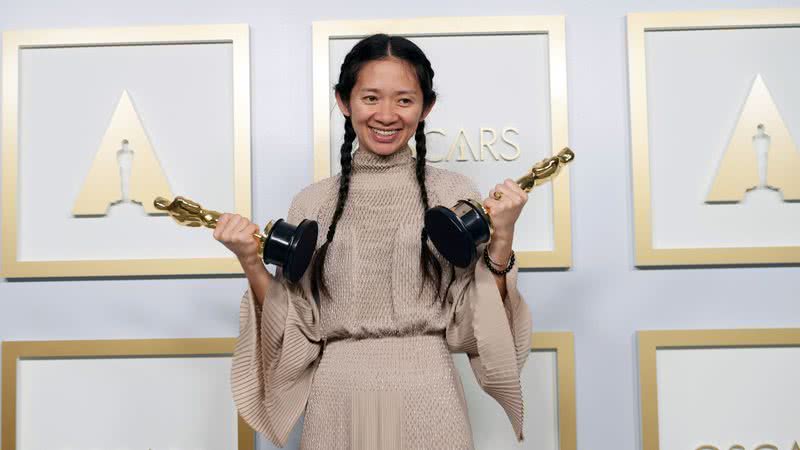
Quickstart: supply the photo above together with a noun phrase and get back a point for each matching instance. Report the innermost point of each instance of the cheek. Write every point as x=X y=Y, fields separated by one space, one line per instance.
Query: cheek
x=358 y=117
x=411 y=119
x=358 y=113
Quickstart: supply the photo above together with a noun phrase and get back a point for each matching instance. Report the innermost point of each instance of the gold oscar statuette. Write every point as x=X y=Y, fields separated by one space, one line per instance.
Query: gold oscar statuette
x=283 y=244
x=457 y=232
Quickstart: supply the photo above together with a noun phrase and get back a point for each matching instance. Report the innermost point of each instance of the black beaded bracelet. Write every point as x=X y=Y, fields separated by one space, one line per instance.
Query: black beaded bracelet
x=489 y=264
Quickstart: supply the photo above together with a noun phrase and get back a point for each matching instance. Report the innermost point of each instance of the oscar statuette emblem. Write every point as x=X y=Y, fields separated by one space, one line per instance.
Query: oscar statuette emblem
x=457 y=232
x=283 y=244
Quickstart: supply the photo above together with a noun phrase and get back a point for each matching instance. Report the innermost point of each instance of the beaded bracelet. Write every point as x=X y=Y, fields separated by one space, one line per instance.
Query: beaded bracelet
x=490 y=264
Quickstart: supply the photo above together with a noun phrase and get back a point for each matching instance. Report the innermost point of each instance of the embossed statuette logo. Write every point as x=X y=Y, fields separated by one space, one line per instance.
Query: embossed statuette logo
x=761 y=154
x=125 y=168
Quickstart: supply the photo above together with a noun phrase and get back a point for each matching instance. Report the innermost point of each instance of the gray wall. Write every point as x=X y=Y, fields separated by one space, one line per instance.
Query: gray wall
x=603 y=299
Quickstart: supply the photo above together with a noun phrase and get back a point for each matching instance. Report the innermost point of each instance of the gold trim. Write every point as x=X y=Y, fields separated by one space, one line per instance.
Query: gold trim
x=651 y=341
x=563 y=343
x=553 y=26
x=14 y=41
x=560 y=342
x=16 y=350
x=638 y=25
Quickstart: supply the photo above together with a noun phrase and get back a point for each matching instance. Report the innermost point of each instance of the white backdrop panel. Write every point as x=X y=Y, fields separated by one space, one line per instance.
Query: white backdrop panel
x=482 y=81
x=697 y=82
x=491 y=428
x=184 y=98
x=722 y=397
x=602 y=299
x=125 y=404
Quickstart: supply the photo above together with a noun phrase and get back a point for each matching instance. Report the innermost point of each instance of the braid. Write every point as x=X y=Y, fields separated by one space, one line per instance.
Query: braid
x=422 y=150
x=431 y=268
x=318 y=274
x=344 y=181
x=373 y=48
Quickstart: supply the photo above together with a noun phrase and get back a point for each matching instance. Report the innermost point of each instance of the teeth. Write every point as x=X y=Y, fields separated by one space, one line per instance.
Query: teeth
x=384 y=132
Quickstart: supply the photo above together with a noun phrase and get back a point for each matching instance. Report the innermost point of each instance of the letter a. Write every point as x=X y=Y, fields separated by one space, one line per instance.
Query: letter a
x=102 y=186
x=738 y=171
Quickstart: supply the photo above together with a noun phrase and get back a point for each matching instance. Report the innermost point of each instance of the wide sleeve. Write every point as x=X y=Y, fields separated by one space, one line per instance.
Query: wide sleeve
x=495 y=334
x=276 y=353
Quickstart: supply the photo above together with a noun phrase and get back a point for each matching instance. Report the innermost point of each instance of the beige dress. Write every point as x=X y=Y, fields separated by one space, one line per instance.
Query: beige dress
x=371 y=368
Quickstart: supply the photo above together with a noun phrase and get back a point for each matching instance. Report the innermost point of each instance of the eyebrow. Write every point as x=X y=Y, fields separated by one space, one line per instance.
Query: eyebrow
x=404 y=92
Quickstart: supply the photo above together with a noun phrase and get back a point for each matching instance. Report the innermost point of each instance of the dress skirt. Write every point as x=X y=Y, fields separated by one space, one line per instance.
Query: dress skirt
x=387 y=393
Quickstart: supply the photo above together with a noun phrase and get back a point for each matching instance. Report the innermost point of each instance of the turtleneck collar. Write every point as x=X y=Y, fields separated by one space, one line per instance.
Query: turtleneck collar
x=366 y=161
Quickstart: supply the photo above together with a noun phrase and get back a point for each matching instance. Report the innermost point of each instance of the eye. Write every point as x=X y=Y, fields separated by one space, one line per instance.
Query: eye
x=406 y=101
x=370 y=99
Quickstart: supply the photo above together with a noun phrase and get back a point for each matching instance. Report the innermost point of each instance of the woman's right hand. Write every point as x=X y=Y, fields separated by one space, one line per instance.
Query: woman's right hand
x=236 y=233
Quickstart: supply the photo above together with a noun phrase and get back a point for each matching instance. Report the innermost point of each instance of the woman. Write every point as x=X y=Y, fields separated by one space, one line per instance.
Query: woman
x=362 y=343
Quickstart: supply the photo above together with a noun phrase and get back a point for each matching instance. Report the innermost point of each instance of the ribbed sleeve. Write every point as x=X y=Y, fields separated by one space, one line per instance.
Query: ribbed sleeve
x=493 y=332
x=276 y=355
x=495 y=335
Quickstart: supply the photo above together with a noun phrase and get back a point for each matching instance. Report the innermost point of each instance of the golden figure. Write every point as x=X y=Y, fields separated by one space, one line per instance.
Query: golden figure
x=543 y=171
x=457 y=231
x=187 y=212
x=283 y=244
x=190 y=214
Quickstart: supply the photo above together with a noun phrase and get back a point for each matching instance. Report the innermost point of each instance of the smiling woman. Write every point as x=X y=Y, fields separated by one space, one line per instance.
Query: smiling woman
x=362 y=343
x=385 y=106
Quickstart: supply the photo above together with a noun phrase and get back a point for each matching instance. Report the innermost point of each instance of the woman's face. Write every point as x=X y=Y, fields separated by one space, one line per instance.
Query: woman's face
x=385 y=105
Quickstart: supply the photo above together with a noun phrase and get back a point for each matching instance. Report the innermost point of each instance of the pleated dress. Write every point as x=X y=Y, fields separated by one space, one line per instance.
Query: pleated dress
x=371 y=366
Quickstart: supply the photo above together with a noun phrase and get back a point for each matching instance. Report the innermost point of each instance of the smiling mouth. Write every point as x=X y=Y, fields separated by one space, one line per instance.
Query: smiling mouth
x=380 y=132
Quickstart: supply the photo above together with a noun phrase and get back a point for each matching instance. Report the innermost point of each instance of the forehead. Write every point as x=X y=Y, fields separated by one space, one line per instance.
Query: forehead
x=388 y=74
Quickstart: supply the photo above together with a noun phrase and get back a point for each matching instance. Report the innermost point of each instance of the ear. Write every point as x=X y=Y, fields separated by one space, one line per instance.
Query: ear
x=342 y=106
x=427 y=110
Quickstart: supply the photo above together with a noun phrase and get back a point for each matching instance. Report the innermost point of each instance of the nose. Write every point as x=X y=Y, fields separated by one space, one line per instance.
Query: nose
x=385 y=113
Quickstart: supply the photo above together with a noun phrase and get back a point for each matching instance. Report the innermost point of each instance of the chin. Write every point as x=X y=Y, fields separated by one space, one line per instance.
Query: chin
x=384 y=149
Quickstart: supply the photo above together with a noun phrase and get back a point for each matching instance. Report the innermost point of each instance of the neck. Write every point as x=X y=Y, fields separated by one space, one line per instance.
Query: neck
x=367 y=161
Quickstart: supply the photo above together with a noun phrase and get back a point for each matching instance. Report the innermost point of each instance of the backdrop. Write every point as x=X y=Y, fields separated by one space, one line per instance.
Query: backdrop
x=603 y=299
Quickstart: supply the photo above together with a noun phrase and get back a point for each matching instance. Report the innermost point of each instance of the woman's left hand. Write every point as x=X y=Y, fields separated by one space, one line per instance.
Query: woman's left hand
x=506 y=210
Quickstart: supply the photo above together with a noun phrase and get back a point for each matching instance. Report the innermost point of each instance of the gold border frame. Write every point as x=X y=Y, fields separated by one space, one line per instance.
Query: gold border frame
x=638 y=25
x=563 y=343
x=651 y=341
x=553 y=26
x=14 y=41
x=15 y=350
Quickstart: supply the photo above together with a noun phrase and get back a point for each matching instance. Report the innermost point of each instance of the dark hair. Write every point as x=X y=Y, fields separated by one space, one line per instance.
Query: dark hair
x=376 y=47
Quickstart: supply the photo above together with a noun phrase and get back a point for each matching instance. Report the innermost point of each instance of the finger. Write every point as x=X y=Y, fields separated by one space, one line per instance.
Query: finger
x=245 y=235
x=509 y=196
x=218 y=232
x=240 y=235
x=491 y=205
x=229 y=231
x=497 y=192
x=509 y=183
x=519 y=194
x=222 y=223
x=244 y=223
x=518 y=190
x=252 y=230
x=223 y=219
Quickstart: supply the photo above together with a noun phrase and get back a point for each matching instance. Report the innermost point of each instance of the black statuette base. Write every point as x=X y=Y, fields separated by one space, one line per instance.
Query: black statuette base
x=457 y=232
x=291 y=247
